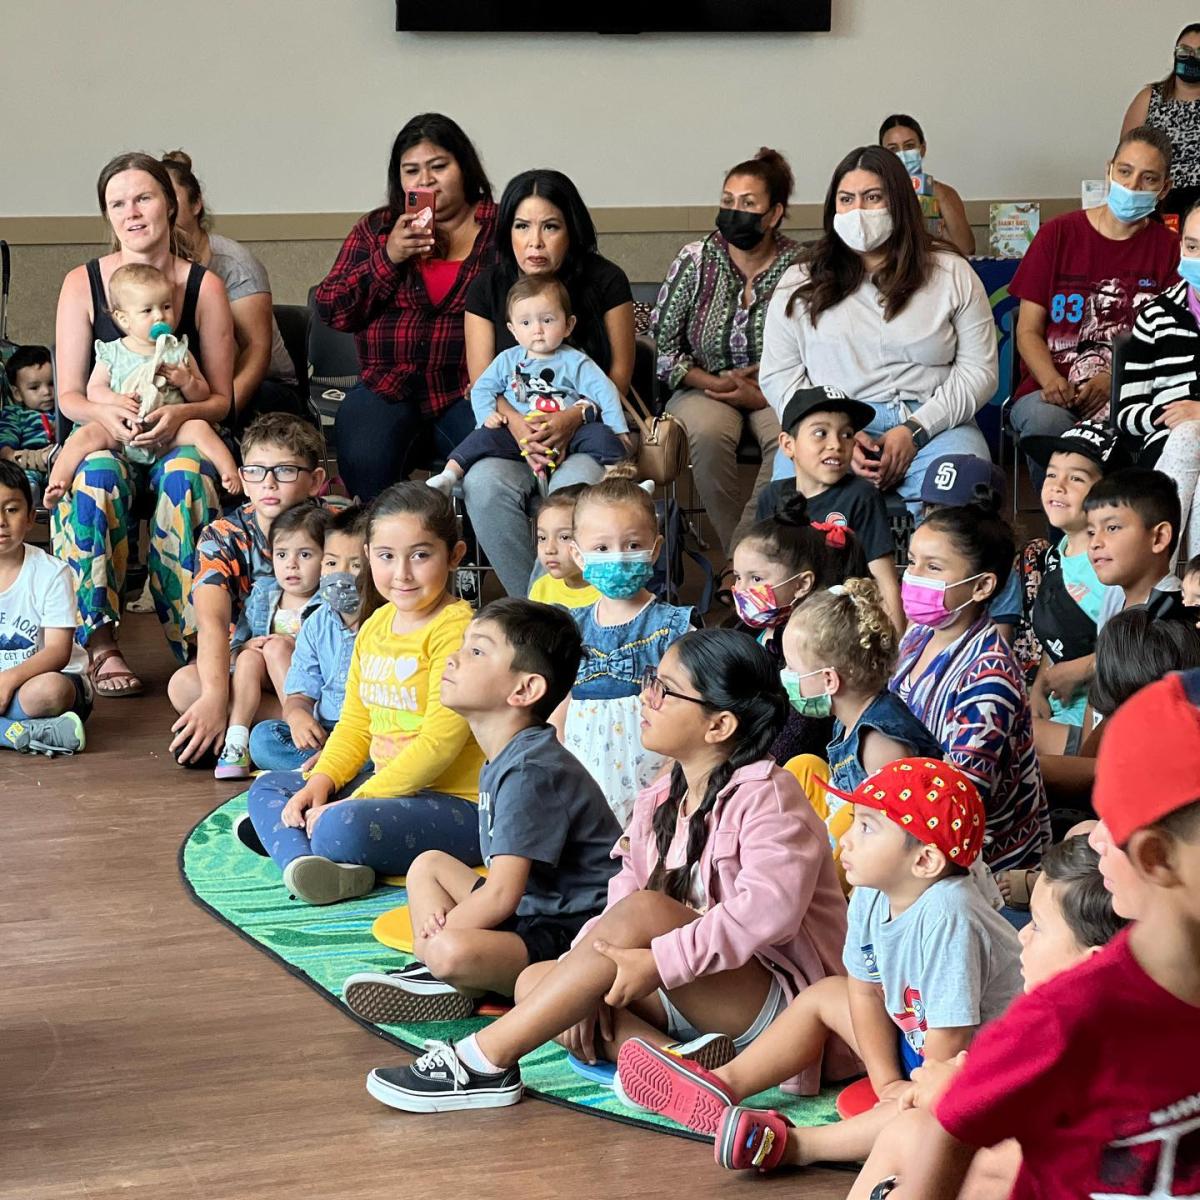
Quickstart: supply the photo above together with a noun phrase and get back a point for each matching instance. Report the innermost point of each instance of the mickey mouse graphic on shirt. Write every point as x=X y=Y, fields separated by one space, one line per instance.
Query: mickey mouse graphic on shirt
x=538 y=392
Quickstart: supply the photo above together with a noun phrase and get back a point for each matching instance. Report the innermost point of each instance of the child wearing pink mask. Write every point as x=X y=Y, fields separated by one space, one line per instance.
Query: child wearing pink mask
x=958 y=676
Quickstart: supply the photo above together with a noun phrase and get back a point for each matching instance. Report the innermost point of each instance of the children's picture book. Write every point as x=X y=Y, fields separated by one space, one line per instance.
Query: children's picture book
x=1012 y=228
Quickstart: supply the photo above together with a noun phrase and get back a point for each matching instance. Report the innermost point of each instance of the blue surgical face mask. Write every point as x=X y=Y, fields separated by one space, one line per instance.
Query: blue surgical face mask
x=816 y=707
x=619 y=574
x=339 y=589
x=911 y=160
x=1189 y=271
x=1129 y=206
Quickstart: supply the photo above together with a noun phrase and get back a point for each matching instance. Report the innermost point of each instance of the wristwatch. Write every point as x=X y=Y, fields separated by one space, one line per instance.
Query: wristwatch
x=920 y=435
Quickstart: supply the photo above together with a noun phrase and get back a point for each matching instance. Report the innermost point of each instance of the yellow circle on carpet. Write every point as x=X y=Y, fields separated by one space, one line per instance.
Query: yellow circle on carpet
x=394 y=927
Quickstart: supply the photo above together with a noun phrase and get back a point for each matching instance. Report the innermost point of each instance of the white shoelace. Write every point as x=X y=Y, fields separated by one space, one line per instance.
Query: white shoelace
x=442 y=1054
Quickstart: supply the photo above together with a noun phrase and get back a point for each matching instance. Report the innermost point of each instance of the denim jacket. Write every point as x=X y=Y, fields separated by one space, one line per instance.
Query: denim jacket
x=258 y=613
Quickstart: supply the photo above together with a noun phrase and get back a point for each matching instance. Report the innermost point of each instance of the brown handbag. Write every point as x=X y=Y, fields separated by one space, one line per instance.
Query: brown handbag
x=662 y=453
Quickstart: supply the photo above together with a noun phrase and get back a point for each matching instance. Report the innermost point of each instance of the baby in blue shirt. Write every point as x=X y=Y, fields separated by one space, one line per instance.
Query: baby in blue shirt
x=316 y=679
x=539 y=375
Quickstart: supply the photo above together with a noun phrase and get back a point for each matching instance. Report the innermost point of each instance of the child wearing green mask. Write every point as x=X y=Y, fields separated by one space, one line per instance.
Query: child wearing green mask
x=840 y=649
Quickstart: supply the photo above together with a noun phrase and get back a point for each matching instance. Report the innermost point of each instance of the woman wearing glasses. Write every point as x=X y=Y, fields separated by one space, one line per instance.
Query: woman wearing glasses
x=1173 y=105
x=91 y=526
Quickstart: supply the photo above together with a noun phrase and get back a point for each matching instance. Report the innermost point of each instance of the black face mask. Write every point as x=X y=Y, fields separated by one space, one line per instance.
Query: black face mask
x=740 y=229
x=1187 y=69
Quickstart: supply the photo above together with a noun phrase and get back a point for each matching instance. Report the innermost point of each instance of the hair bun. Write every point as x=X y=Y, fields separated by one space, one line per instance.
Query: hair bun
x=793 y=511
x=625 y=469
x=182 y=157
x=769 y=155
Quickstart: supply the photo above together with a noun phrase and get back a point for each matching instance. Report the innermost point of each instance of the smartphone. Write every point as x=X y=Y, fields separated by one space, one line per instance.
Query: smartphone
x=423 y=203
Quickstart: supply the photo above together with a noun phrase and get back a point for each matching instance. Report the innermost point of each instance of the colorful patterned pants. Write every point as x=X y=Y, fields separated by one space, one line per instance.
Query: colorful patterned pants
x=90 y=531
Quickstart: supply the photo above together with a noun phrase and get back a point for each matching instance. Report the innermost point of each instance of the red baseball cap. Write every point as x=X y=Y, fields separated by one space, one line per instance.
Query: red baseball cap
x=1149 y=759
x=932 y=800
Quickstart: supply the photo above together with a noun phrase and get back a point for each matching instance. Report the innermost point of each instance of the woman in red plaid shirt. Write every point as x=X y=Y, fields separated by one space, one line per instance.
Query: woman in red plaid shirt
x=401 y=292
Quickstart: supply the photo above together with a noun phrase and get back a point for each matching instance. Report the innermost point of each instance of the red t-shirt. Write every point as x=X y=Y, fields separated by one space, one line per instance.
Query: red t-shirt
x=439 y=275
x=1091 y=287
x=1097 y=1074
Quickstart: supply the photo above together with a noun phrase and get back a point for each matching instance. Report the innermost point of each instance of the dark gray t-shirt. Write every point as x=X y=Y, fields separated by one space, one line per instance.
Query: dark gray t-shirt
x=538 y=801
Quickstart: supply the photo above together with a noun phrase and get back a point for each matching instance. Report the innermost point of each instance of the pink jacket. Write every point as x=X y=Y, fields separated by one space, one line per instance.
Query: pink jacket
x=772 y=887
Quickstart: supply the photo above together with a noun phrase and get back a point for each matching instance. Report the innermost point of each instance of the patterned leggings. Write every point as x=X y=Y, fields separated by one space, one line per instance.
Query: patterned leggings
x=90 y=531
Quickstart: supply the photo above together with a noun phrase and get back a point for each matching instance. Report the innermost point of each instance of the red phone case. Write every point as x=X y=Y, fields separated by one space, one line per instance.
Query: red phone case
x=422 y=202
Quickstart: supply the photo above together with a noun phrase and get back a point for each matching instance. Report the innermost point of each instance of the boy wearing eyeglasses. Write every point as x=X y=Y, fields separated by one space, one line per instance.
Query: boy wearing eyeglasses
x=545 y=829
x=280 y=457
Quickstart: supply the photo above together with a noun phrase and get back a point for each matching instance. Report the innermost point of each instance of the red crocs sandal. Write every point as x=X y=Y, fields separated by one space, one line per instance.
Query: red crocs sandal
x=674 y=1087
x=751 y=1139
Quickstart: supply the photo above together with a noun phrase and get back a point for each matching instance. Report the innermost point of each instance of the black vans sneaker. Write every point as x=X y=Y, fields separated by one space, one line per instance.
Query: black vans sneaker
x=439 y=1081
x=244 y=831
x=409 y=995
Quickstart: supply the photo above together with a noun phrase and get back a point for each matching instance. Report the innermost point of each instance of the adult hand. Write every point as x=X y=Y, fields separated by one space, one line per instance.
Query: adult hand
x=744 y=392
x=1059 y=391
x=898 y=452
x=1064 y=679
x=198 y=728
x=307 y=732
x=405 y=242
x=525 y=437
x=1093 y=395
x=867 y=457
x=580 y=1039
x=552 y=432
x=1179 y=411
x=637 y=974
x=160 y=427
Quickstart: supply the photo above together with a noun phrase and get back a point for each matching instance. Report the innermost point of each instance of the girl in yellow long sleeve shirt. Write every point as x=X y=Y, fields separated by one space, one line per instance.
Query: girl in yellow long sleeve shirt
x=350 y=819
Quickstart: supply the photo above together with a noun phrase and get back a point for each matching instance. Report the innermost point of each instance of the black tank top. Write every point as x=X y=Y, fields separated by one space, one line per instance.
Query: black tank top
x=105 y=329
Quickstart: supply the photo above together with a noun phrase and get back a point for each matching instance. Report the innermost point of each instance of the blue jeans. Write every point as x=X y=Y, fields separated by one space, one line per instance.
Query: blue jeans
x=379 y=442
x=272 y=748
x=498 y=495
x=1031 y=416
x=383 y=834
x=962 y=439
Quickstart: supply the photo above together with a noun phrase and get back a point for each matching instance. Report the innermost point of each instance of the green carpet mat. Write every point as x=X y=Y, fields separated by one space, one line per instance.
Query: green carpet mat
x=322 y=946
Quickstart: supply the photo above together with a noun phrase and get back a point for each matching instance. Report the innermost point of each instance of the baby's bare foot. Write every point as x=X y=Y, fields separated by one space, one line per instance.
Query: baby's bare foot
x=56 y=489
x=232 y=483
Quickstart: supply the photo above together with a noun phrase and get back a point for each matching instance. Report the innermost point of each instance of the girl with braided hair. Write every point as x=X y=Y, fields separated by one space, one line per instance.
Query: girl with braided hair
x=725 y=908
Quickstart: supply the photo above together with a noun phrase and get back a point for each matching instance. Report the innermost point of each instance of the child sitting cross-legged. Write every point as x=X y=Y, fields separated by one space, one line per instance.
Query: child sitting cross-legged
x=929 y=961
x=1094 y=1072
x=1072 y=919
x=275 y=611
x=554 y=528
x=315 y=685
x=44 y=696
x=726 y=904
x=545 y=829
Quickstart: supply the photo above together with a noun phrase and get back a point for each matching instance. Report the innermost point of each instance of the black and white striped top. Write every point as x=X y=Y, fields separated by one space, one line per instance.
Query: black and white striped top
x=1162 y=364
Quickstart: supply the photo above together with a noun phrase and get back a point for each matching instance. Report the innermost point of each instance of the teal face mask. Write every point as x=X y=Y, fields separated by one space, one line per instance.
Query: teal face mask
x=807 y=706
x=911 y=160
x=1129 y=206
x=620 y=574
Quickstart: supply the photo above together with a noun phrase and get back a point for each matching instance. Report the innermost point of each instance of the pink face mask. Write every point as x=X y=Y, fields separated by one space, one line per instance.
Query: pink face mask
x=924 y=600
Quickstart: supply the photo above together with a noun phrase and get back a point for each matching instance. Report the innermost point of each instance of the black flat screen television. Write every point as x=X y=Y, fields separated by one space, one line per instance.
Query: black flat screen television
x=613 y=16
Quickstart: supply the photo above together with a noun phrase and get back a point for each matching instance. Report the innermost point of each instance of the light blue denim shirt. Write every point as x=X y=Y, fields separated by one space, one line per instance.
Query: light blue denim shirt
x=320 y=663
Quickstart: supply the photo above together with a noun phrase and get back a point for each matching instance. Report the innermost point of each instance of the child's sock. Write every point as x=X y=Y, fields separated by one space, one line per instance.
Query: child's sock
x=469 y=1052
x=444 y=481
x=237 y=737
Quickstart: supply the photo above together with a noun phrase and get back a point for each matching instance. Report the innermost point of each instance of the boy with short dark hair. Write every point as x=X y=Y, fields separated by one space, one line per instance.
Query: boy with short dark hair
x=1133 y=530
x=27 y=433
x=281 y=456
x=817 y=433
x=44 y=695
x=1190 y=577
x=929 y=961
x=545 y=829
x=1094 y=1073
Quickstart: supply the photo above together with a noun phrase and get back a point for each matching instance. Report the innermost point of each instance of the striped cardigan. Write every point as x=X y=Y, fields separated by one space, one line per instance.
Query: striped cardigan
x=1162 y=364
x=972 y=699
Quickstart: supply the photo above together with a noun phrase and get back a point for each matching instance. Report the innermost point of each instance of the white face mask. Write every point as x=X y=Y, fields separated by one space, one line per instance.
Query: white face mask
x=863 y=229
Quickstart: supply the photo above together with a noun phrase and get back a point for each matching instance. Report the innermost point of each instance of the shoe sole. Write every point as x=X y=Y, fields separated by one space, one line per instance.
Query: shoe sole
x=659 y=1081
x=420 y=1102
x=714 y=1054
x=231 y=773
x=723 y=1147
x=389 y=1004
x=318 y=880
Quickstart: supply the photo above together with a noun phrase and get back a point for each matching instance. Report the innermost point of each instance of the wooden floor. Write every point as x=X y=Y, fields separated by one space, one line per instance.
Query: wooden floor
x=147 y=1052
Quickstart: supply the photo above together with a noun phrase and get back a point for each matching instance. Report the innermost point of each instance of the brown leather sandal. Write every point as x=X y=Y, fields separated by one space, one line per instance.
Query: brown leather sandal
x=136 y=688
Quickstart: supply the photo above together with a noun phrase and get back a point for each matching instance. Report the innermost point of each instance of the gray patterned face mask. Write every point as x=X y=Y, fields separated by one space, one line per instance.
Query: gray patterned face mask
x=339 y=589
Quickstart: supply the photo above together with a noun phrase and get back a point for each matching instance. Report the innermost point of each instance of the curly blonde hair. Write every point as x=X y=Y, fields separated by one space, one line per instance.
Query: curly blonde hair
x=847 y=628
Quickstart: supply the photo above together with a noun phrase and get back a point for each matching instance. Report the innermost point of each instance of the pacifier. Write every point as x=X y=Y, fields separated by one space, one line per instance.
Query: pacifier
x=158 y=329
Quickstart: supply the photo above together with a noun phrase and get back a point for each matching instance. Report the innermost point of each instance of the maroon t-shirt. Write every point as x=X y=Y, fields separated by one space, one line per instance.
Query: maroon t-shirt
x=1097 y=1074
x=1091 y=287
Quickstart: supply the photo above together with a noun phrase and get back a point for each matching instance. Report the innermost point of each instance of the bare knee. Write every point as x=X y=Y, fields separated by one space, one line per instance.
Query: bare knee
x=530 y=978
x=277 y=653
x=447 y=956
x=183 y=689
x=250 y=664
x=47 y=695
x=425 y=867
x=637 y=918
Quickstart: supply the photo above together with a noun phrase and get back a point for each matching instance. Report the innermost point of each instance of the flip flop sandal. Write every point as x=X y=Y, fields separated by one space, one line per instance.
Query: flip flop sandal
x=136 y=688
x=1019 y=888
